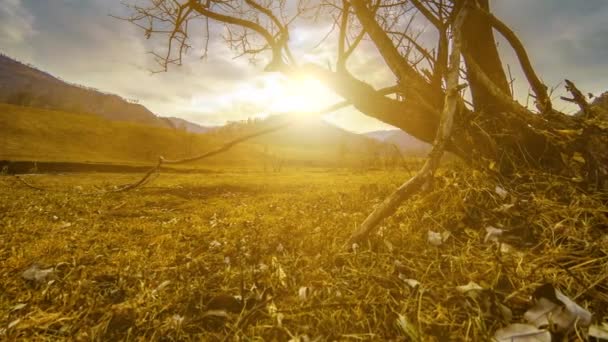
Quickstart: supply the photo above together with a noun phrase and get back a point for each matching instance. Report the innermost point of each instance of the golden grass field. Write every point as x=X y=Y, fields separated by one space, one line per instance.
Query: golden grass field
x=260 y=256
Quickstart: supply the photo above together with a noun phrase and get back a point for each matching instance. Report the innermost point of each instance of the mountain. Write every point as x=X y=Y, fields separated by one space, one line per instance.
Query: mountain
x=303 y=132
x=36 y=134
x=405 y=142
x=24 y=85
x=306 y=138
x=185 y=125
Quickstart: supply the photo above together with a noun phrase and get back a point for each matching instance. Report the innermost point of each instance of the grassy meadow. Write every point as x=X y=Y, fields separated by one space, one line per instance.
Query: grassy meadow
x=260 y=256
x=35 y=134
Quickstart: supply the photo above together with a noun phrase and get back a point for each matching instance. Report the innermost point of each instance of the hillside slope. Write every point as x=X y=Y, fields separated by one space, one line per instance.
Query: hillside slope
x=185 y=125
x=307 y=138
x=21 y=84
x=48 y=135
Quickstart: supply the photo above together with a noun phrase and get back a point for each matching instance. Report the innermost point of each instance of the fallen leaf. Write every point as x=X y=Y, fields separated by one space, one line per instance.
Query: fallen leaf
x=599 y=332
x=555 y=309
x=303 y=293
x=578 y=158
x=280 y=274
x=471 y=286
x=14 y=323
x=18 y=307
x=501 y=192
x=505 y=248
x=177 y=320
x=504 y=208
x=216 y=313
x=436 y=239
x=492 y=234
x=407 y=328
x=37 y=274
x=519 y=332
x=413 y=283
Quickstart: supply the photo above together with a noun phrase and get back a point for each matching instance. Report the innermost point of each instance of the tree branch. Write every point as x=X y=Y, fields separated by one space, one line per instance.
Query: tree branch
x=398 y=65
x=540 y=90
x=415 y=184
x=276 y=63
x=578 y=98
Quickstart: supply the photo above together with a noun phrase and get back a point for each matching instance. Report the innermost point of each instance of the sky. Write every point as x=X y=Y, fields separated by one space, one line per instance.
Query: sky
x=78 y=41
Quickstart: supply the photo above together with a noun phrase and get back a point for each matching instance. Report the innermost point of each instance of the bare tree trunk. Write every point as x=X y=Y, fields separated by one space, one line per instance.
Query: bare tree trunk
x=480 y=47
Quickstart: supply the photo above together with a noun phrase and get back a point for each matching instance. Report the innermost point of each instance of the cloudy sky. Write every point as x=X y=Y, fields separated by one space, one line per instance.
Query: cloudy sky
x=78 y=41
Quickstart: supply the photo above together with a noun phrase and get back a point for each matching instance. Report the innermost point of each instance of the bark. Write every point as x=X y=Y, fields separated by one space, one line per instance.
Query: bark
x=480 y=47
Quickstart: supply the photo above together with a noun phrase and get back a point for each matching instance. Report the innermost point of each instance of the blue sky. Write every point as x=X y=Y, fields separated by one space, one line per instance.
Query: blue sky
x=78 y=41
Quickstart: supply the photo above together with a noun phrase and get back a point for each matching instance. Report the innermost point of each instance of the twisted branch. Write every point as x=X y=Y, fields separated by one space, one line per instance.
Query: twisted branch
x=416 y=183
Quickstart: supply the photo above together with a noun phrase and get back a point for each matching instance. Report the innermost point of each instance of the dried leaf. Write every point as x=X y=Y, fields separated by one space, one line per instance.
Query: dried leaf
x=436 y=239
x=37 y=274
x=492 y=234
x=599 y=332
x=505 y=248
x=216 y=313
x=413 y=283
x=471 y=286
x=501 y=192
x=522 y=333
x=18 y=307
x=303 y=293
x=13 y=323
x=504 y=208
x=553 y=308
x=408 y=328
x=578 y=158
x=280 y=274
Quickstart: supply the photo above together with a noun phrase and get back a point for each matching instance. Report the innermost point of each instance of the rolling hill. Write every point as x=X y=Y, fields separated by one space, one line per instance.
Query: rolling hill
x=185 y=125
x=37 y=134
x=24 y=85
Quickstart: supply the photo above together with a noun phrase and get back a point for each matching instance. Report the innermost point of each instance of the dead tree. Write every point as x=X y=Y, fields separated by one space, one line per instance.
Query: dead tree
x=492 y=132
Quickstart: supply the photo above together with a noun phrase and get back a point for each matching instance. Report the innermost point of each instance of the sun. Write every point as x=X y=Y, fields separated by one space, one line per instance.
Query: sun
x=299 y=95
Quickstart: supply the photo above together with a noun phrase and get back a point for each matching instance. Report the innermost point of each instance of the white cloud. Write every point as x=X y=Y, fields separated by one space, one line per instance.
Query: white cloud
x=78 y=41
x=16 y=23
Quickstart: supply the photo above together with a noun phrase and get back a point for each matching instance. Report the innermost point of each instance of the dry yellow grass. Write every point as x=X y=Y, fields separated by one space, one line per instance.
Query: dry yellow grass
x=260 y=256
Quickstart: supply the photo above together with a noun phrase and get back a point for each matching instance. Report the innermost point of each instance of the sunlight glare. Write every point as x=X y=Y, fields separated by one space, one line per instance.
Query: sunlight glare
x=300 y=95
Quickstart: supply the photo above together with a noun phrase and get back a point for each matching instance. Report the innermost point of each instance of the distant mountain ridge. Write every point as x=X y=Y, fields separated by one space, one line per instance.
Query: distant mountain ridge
x=405 y=142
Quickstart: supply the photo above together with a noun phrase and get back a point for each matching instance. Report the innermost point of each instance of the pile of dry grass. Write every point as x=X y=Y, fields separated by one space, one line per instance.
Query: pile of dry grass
x=273 y=266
